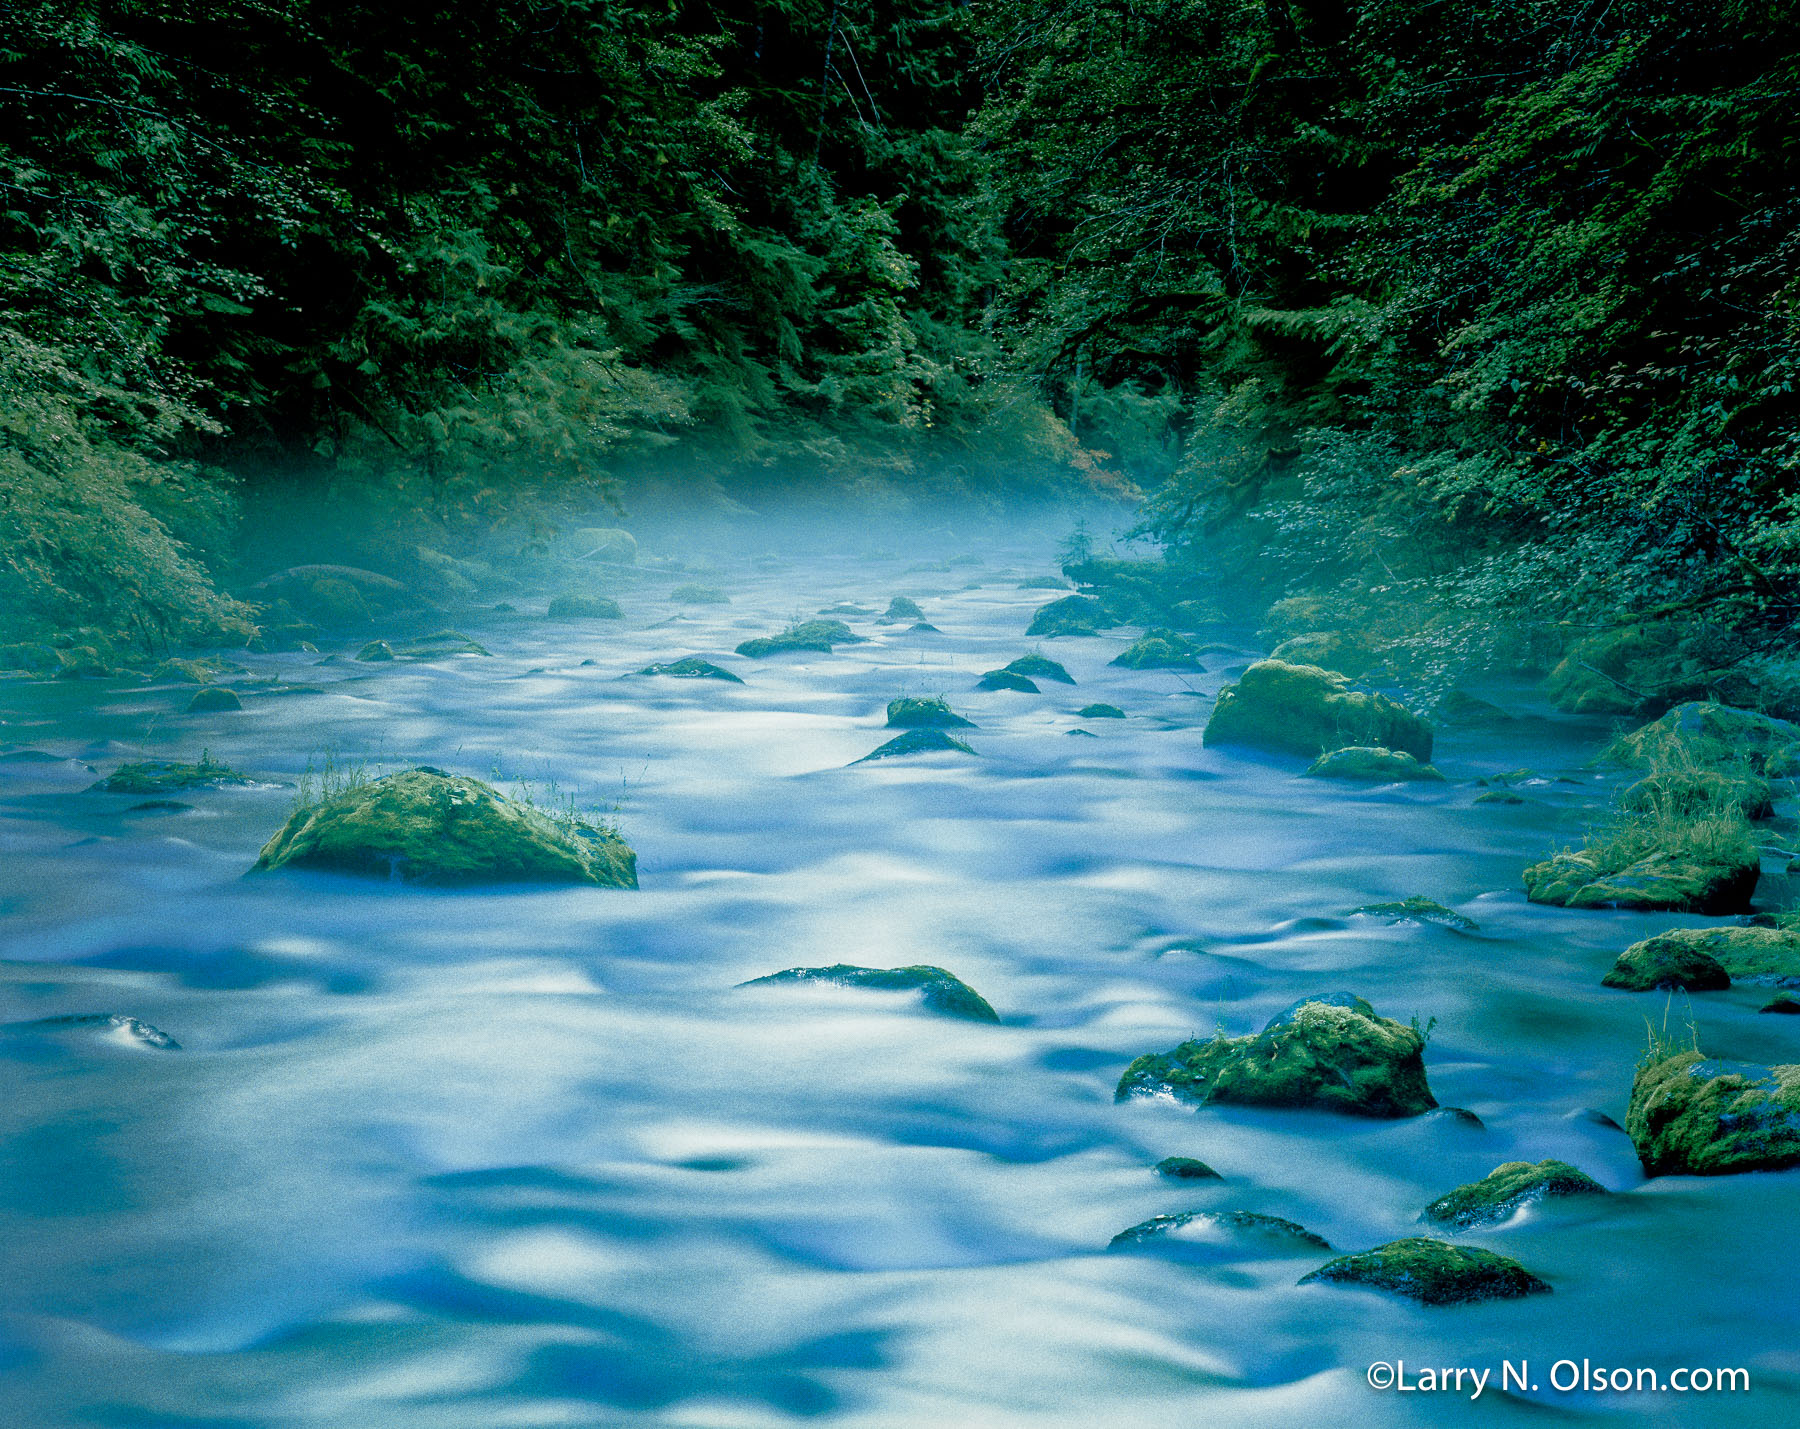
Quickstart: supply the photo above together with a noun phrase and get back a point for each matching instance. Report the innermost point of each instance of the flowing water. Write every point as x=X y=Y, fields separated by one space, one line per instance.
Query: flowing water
x=428 y=1159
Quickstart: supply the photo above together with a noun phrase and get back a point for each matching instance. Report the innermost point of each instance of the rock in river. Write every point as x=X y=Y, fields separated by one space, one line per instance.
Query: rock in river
x=924 y=714
x=1212 y=1234
x=157 y=776
x=1300 y=709
x=1373 y=765
x=1693 y=1115
x=940 y=991
x=1667 y=962
x=1432 y=1272
x=918 y=741
x=1507 y=1189
x=1676 y=880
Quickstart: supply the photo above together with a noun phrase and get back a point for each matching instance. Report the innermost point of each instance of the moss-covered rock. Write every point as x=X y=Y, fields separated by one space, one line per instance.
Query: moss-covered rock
x=818 y=635
x=1208 y=1233
x=1159 y=649
x=1499 y=796
x=924 y=714
x=939 y=991
x=376 y=652
x=1432 y=1272
x=1332 y=1052
x=214 y=699
x=1782 y=1002
x=181 y=672
x=1185 y=1168
x=1666 y=963
x=1300 y=709
x=1693 y=1115
x=699 y=595
x=158 y=776
x=1419 y=910
x=1100 y=712
x=1640 y=669
x=1706 y=735
x=1046 y=583
x=1672 y=882
x=603 y=543
x=1698 y=793
x=918 y=741
x=333 y=601
x=1506 y=1190
x=425 y=826
x=1006 y=680
x=1039 y=667
x=1472 y=712
x=1326 y=649
x=82 y=662
x=1753 y=954
x=584 y=607
x=903 y=607
x=1072 y=615
x=691 y=667
x=1373 y=765
x=439 y=645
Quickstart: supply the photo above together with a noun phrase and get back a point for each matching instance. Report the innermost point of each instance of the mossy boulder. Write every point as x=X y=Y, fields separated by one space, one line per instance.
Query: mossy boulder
x=1100 y=712
x=1185 y=1168
x=603 y=543
x=1210 y=1234
x=1328 y=650
x=1006 y=680
x=1373 y=765
x=1640 y=669
x=1704 y=734
x=939 y=991
x=182 y=672
x=425 y=826
x=1419 y=910
x=1673 y=881
x=1699 y=793
x=818 y=635
x=1039 y=667
x=82 y=662
x=1756 y=954
x=1693 y=1115
x=1782 y=1003
x=584 y=607
x=1432 y=1273
x=1072 y=615
x=1666 y=963
x=1159 y=649
x=1301 y=709
x=1506 y=1190
x=903 y=607
x=214 y=699
x=1333 y=1053
x=158 y=776
x=699 y=595
x=691 y=667
x=376 y=652
x=924 y=714
x=439 y=645
x=918 y=741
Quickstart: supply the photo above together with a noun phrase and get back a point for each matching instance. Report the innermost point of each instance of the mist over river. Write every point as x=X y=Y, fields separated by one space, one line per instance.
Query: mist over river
x=477 y=1159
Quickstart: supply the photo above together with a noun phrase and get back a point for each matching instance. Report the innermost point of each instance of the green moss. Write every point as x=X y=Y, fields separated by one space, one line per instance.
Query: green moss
x=1100 y=712
x=924 y=714
x=182 y=672
x=1373 y=765
x=691 y=667
x=376 y=652
x=1498 y=796
x=1420 y=910
x=807 y=635
x=940 y=991
x=1636 y=669
x=425 y=826
x=214 y=699
x=1703 y=879
x=1332 y=1053
x=903 y=608
x=1300 y=709
x=1781 y=1002
x=1506 y=1189
x=1707 y=734
x=1159 y=649
x=584 y=607
x=1669 y=961
x=918 y=741
x=1698 y=793
x=1006 y=680
x=1691 y=1115
x=1186 y=1168
x=28 y=655
x=158 y=776
x=1039 y=667
x=1327 y=650
x=82 y=662
x=1249 y=1231
x=1432 y=1272
x=699 y=595
x=1072 y=615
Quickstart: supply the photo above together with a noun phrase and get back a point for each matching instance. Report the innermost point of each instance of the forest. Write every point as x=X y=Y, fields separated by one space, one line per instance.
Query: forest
x=1470 y=328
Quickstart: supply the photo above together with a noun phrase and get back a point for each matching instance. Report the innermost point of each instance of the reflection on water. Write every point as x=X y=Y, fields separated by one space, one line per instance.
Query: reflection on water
x=529 y=1157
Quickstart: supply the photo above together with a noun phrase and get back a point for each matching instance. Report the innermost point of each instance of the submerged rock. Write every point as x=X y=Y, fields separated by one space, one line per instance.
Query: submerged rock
x=1300 y=709
x=1215 y=1231
x=1072 y=615
x=1333 y=1053
x=940 y=991
x=584 y=607
x=691 y=667
x=1373 y=765
x=1100 y=712
x=604 y=543
x=128 y=1027
x=1693 y=1115
x=1666 y=963
x=903 y=608
x=425 y=826
x=699 y=595
x=1499 y=796
x=1006 y=680
x=924 y=714
x=211 y=699
x=918 y=741
x=158 y=776
x=1670 y=881
x=1159 y=649
x=1507 y=1189
x=376 y=651
x=1186 y=1168
x=1432 y=1272
x=1327 y=650
x=1038 y=667
x=1420 y=910
x=818 y=635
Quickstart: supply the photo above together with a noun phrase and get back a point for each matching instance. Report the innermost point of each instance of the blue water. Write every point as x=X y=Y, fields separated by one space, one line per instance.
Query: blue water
x=532 y=1157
